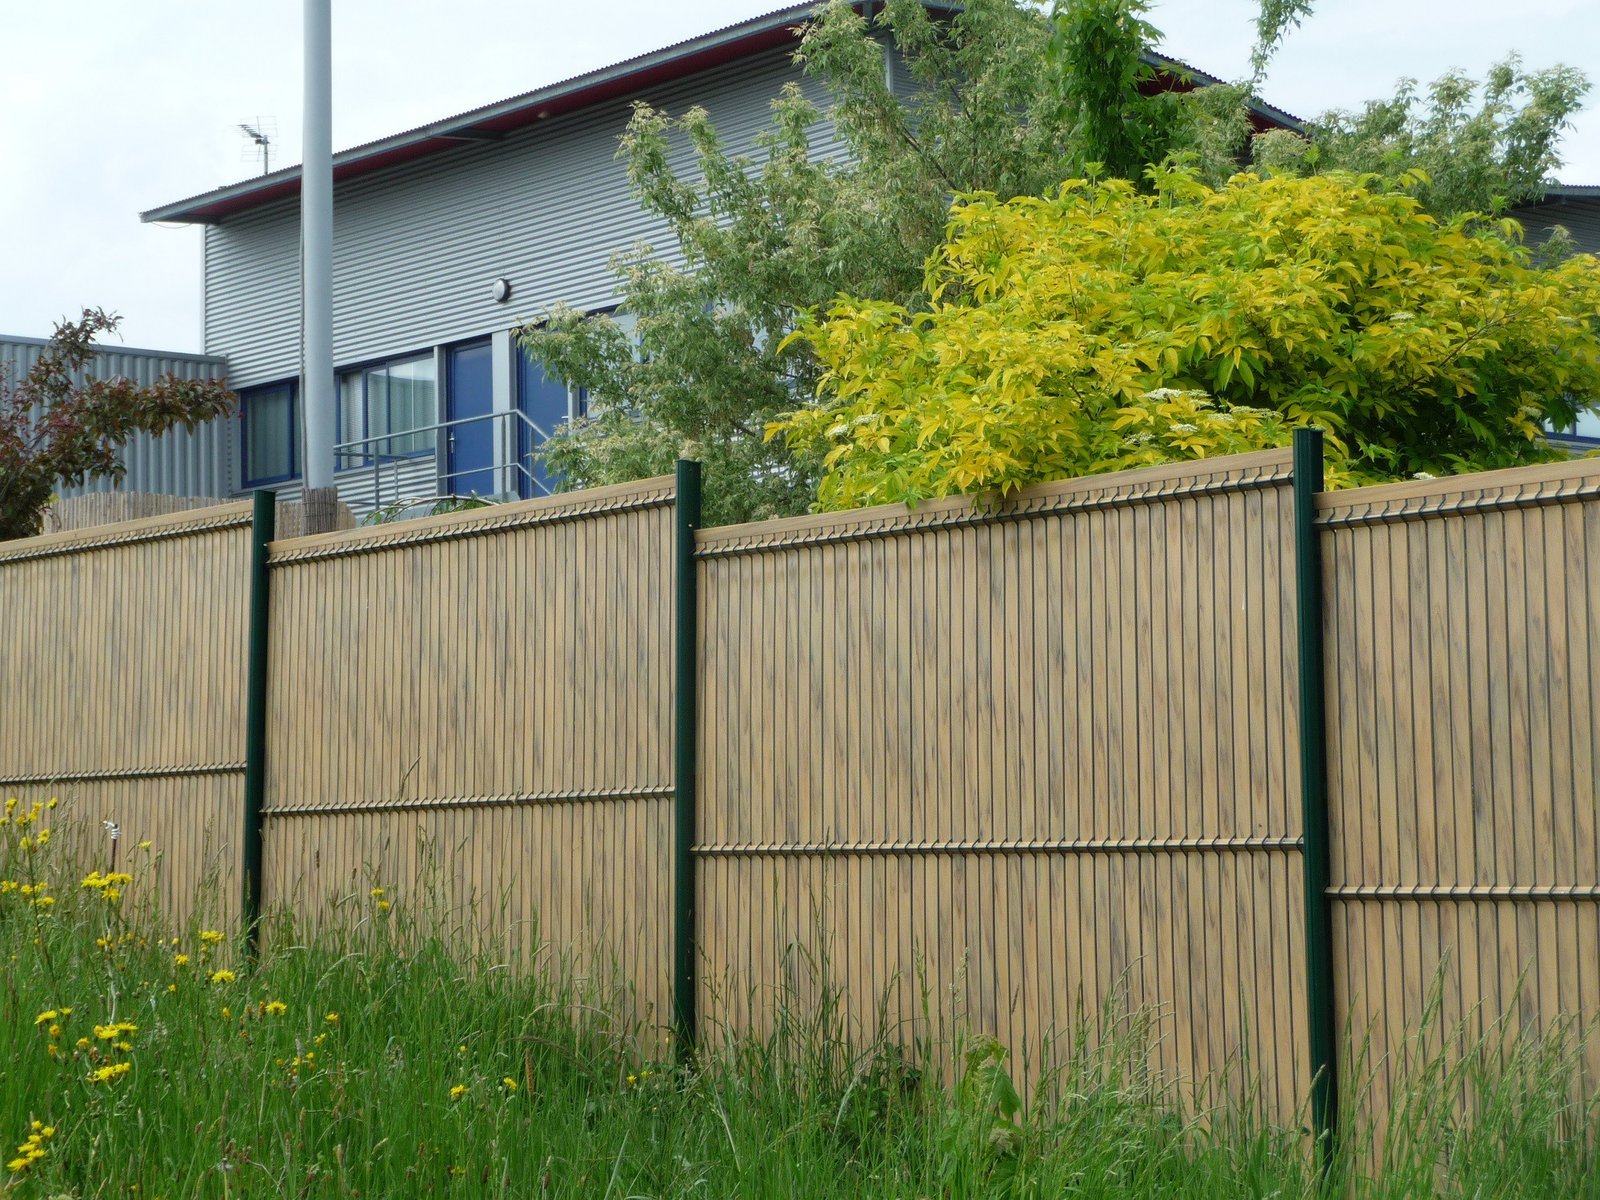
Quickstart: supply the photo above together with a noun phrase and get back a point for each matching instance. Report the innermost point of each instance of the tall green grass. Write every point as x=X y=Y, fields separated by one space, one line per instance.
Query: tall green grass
x=378 y=1059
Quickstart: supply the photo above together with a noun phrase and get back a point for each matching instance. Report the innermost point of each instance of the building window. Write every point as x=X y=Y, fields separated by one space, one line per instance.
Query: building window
x=271 y=429
x=388 y=410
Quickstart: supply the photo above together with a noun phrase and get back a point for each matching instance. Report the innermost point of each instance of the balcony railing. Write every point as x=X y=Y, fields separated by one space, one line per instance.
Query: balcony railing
x=370 y=473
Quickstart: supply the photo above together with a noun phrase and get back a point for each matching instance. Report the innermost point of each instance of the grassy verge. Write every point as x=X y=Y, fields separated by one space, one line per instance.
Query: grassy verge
x=137 y=1060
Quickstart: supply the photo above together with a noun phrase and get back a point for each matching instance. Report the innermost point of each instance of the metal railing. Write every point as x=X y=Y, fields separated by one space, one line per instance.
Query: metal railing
x=362 y=464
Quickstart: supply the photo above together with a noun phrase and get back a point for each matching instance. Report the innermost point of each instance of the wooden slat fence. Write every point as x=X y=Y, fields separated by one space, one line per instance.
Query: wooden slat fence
x=122 y=671
x=1039 y=754
x=1026 y=756
x=473 y=712
x=1463 y=627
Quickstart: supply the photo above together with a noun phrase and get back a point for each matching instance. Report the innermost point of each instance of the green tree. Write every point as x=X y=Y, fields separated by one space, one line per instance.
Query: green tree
x=1102 y=327
x=56 y=426
x=1482 y=147
x=1008 y=100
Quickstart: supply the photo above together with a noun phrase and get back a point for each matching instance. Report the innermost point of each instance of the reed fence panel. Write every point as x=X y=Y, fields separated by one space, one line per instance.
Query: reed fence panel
x=473 y=712
x=123 y=675
x=1463 y=651
x=1030 y=757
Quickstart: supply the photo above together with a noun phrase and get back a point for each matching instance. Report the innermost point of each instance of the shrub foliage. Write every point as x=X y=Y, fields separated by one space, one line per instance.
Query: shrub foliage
x=1101 y=328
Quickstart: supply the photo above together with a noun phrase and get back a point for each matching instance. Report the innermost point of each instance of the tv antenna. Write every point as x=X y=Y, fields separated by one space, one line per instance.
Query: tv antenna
x=260 y=133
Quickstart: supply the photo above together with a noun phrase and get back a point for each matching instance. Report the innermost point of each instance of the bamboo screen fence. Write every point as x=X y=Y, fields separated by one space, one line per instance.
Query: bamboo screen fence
x=1041 y=749
x=491 y=693
x=1023 y=756
x=124 y=682
x=1463 y=651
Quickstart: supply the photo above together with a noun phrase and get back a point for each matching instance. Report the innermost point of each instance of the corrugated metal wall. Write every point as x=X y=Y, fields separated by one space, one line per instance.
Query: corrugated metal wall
x=1579 y=215
x=179 y=463
x=416 y=248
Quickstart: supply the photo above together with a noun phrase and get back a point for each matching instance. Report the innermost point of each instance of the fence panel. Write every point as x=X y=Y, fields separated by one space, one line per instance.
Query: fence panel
x=123 y=671
x=1035 y=754
x=481 y=703
x=1463 y=742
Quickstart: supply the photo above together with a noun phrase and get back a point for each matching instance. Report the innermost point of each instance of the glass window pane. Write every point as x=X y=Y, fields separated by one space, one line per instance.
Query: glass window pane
x=1588 y=425
x=413 y=403
x=352 y=426
x=269 y=434
x=377 y=408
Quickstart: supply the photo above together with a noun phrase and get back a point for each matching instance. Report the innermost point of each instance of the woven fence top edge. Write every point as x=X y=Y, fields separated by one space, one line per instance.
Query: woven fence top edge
x=566 y=506
x=1146 y=485
x=1574 y=480
x=123 y=533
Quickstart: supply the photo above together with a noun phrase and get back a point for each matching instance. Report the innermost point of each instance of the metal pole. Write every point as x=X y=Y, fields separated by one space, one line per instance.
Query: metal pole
x=685 y=722
x=263 y=526
x=316 y=230
x=1314 y=791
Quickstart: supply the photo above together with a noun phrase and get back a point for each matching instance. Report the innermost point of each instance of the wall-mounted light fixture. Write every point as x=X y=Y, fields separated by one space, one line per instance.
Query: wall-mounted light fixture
x=500 y=290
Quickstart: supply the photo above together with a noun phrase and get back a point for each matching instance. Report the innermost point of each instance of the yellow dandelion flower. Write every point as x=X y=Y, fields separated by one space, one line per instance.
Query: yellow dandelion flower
x=509 y=1084
x=83 y=1043
x=274 y=1008
x=376 y=893
x=458 y=1091
x=332 y=1018
x=180 y=960
x=210 y=937
x=145 y=845
x=55 y=1031
x=223 y=976
x=172 y=987
x=46 y=1017
x=107 y=1074
x=227 y=1013
x=383 y=906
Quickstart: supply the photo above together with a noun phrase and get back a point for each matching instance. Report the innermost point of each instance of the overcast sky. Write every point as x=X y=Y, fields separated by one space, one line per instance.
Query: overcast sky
x=109 y=108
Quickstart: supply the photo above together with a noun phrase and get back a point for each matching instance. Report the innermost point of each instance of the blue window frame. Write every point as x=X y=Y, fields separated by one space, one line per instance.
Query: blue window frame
x=270 y=434
x=395 y=402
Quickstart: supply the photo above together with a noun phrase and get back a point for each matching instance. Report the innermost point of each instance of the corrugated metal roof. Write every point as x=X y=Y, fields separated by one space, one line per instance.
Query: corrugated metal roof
x=493 y=120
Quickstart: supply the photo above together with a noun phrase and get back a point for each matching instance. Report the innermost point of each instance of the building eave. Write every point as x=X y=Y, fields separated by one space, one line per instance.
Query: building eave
x=494 y=121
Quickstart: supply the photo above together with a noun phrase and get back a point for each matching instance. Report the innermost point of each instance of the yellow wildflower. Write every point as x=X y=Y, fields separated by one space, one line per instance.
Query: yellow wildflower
x=210 y=937
x=83 y=1043
x=46 y=1017
x=383 y=906
x=144 y=845
x=180 y=960
x=509 y=1084
x=115 y=1030
x=223 y=976
x=55 y=1031
x=107 y=1074
x=376 y=893
x=274 y=1008
x=332 y=1018
x=458 y=1091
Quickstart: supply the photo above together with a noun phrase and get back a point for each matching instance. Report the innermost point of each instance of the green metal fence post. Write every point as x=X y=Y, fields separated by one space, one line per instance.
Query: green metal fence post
x=262 y=528
x=1314 y=790
x=685 y=722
